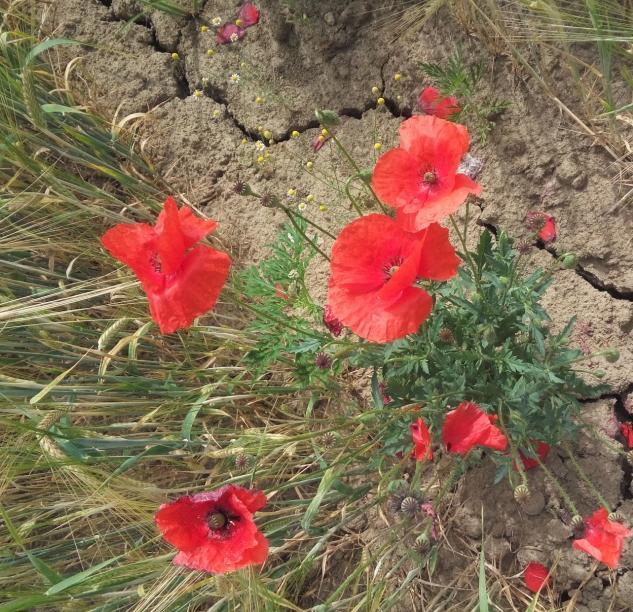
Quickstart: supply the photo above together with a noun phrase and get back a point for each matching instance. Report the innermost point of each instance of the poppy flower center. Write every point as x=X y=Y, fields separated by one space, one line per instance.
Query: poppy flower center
x=393 y=267
x=429 y=178
x=155 y=261
x=216 y=521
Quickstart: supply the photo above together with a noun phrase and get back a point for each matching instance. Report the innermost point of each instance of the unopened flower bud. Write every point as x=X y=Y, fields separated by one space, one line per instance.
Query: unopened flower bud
x=175 y=56
x=377 y=146
x=295 y=134
x=327 y=118
x=568 y=261
x=380 y=101
x=612 y=354
x=521 y=493
x=309 y=165
x=375 y=90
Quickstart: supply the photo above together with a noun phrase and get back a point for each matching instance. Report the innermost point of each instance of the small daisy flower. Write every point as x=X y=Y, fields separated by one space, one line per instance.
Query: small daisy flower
x=234 y=37
x=261 y=159
x=197 y=93
x=397 y=76
x=216 y=113
x=375 y=90
x=322 y=207
x=216 y=21
x=204 y=28
x=260 y=146
x=267 y=134
x=309 y=198
x=234 y=78
x=292 y=193
x=302 y=206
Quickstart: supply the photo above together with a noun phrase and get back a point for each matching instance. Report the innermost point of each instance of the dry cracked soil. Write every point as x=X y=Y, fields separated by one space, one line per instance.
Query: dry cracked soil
x=331 y=56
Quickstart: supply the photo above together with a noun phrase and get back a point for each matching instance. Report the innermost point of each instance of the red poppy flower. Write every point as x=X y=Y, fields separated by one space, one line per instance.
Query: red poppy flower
x=419 y=179
x=215 y=532
x=468 y=426
x=374 y=267
x=229 y=33
x=181 y=282
x=431 y=103
x=331 y=322
x=627 y=432
x=543 y=224
x=536 y=576
x=603 y=539
x=529 y=462
x=421 y=441
x=248 y=15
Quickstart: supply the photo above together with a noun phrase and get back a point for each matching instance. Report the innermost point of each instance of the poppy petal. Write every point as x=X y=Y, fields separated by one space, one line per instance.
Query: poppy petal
x=133 y=245
x=192 y=292
x=194 y=228
x=182 y=522
x=421 y=441
x=248 y=15
x=438 y=261
x=468 y=426
x=396 y=179
x=228 y=33
x=438 y=209
x=536 y=576
x=627 y=431
x=169 y=237
x=603 y=539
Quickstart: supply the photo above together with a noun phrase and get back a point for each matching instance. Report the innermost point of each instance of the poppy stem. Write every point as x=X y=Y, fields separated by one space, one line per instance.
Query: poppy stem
x=312 y=223
x=354 y=165
x=554 y=481
x=313 y=244
x=586 y=478
x=471 y=262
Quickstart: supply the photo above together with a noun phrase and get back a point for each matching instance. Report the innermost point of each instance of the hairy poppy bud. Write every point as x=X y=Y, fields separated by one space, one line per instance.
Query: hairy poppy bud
x=409 y=506
x=568 y=261
x=612 y=355
x=521 y=493
x=327 y=118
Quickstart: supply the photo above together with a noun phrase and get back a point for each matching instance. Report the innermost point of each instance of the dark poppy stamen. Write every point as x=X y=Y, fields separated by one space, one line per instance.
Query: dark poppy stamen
x=430 y=178
x=155 y=261
x=217 y=520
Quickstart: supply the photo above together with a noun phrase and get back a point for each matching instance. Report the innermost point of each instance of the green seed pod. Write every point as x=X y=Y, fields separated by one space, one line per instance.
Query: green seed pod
x=576 y=520
x=612 y=354
x=327 y=118
x=568 y=261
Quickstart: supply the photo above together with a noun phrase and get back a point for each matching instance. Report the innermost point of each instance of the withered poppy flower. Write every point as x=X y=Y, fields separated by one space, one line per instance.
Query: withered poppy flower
x=374 y=268
x=543 y=224
x=419 y=178
x=468 y=426
x=603 y=539
x=248 y=15
x=536 y=576
x=182 y=281
x=627 y=431
x=229 y=33
x=529 y=462
x=215 y=532
x=334 y=326
x=432 y=103
x=318 y=142
x=421 y=437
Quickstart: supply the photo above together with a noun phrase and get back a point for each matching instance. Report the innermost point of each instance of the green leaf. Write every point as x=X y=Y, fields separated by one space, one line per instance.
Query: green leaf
x=376 y=393
x=329 y=477
x=60 y=108
x=80 y=577
x=483 y=590
x=45 y=46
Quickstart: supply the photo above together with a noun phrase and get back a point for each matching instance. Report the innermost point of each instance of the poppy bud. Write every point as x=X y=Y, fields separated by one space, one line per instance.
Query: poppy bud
x=409 y=506
x=327 y=118
x=365 y=175
x=612 y=355
x=422 y=543
x=568 y=261
x=521 y=493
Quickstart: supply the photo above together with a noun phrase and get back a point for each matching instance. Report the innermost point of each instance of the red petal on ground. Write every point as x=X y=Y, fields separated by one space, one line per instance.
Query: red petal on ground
x=430 y=102
x=603 y=539
x=548 y=233
x=627 y=432
x=421 y=437
x=248 y=15
x=468 y=426
x=191 y=292
x=227 y=32
x=536 y=576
